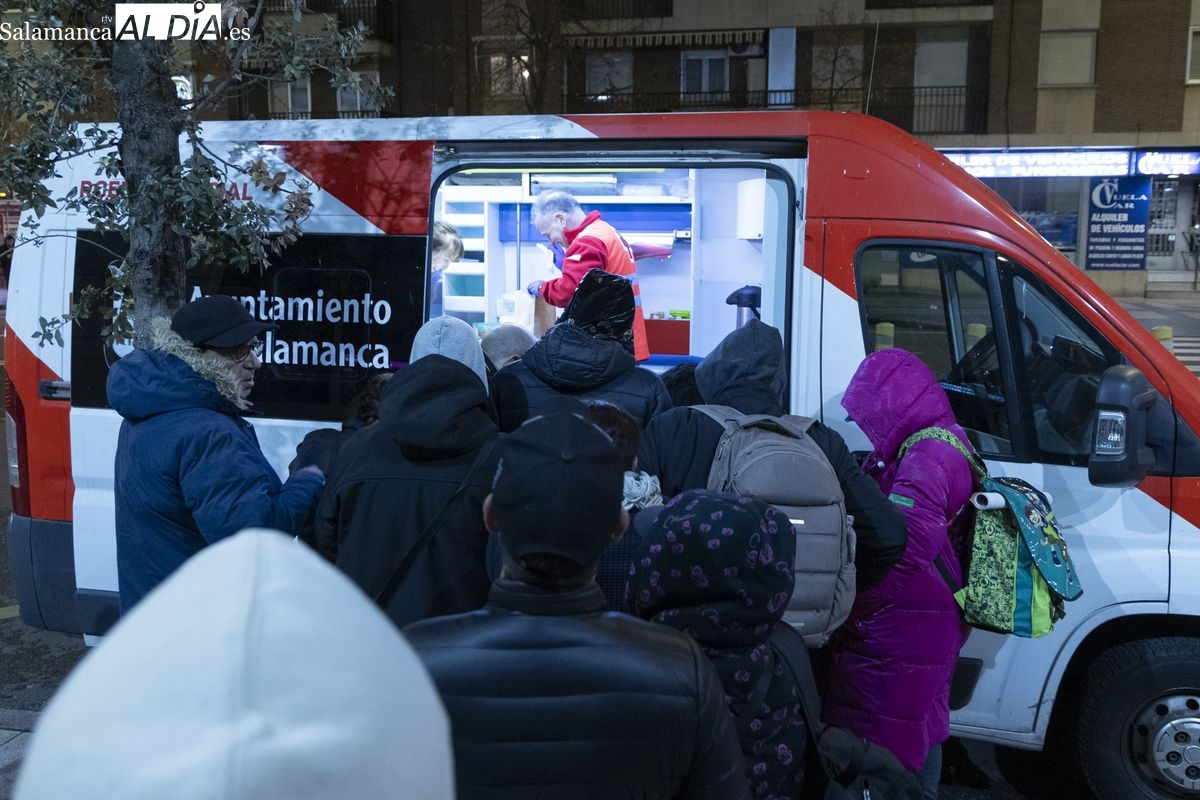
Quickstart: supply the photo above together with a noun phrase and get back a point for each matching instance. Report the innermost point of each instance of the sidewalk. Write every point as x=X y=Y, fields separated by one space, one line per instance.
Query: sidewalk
x=1181 y=314
x=14 y=738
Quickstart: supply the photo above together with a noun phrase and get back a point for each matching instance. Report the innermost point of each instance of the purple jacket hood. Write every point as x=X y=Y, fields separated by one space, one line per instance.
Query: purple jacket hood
x=893 y=395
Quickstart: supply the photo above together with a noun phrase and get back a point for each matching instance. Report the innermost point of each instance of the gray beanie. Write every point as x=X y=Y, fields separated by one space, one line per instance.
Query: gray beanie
x=452 y=338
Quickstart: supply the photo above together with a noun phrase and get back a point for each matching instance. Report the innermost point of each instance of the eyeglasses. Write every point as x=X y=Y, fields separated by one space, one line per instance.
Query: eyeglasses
x=239 y=355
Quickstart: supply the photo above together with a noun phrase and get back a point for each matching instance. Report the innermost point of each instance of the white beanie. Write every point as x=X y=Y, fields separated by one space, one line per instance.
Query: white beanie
x=255 y=671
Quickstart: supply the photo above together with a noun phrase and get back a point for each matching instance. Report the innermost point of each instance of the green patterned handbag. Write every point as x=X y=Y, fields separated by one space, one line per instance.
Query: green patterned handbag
x=1018 y=572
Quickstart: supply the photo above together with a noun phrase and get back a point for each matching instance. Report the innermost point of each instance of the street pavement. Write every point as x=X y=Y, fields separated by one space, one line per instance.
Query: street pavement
x=1181 y=315
x=33 y=662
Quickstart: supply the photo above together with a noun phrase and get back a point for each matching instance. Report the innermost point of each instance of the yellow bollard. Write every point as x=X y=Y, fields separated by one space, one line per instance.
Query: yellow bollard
x=885 y=336
x=1166 y=335
x=975 y=332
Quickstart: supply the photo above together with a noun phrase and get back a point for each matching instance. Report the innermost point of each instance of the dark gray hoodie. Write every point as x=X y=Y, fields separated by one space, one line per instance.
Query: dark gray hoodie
x=747 y=372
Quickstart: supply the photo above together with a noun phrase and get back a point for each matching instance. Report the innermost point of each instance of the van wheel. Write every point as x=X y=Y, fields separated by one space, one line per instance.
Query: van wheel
x=1139 y=722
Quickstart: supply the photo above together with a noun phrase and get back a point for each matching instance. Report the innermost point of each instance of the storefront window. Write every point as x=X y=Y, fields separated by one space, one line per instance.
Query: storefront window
x=1051 y=205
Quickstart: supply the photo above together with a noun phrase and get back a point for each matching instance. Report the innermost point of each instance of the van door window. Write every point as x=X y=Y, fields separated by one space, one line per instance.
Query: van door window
x=933 y=301
x=1031 y=398
x=1060 y=361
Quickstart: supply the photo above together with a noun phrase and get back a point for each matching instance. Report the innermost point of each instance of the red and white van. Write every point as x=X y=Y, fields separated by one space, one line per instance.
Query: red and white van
x=858 y=235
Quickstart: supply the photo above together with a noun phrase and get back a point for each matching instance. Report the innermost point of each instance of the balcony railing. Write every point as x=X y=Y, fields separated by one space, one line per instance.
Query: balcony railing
x=326 y=114
x=617 y=9
x=925 y=110
x=879 y=4
x=677 y=101
x=929 y=110
x=377 y=15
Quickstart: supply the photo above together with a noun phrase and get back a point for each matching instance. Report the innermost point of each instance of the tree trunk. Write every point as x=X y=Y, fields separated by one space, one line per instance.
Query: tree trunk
x=147 y=109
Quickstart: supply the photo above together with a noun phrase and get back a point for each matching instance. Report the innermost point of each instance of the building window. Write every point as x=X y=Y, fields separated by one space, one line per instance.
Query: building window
x=837 y=71
x=609 y=74
x=506 y=75
x=291 y=100
x=1068 y=58
x=352 y=102
x=1193 y=69
x=704 y=72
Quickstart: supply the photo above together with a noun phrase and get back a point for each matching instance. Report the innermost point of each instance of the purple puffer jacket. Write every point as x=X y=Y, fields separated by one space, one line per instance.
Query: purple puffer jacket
x=891 y=662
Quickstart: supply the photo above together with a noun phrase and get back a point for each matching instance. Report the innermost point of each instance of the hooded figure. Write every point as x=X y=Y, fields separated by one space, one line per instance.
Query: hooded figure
x=188 y=470
x=747 y=372
x=452 y=338
x=391 y=480
x=892 y=661
x=587 y=354
x=256 y=671
x=720 y=569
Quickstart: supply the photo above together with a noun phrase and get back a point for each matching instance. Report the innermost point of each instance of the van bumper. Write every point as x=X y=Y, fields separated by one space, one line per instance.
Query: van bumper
x=41 y=557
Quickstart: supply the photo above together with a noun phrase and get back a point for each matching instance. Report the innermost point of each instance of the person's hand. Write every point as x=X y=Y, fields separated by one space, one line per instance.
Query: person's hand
x=316 y=450
x=534 y=288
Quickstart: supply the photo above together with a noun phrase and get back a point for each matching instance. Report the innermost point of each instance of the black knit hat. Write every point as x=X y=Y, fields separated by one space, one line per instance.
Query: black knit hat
x=558 y=489
x=217 y=321
x=603 y=306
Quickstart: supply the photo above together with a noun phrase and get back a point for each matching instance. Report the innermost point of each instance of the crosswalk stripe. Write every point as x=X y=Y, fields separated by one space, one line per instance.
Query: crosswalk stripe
x=1187 y=350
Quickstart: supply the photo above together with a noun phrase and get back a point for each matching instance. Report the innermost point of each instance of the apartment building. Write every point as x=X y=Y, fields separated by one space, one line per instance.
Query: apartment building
x=1084 y=115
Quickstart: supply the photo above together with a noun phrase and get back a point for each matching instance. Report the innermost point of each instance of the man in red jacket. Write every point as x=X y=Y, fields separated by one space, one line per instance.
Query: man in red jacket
x=591 y=243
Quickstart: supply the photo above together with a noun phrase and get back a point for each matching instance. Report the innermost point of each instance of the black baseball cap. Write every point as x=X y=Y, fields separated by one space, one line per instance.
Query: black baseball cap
x=217 y=320
x=558 y=489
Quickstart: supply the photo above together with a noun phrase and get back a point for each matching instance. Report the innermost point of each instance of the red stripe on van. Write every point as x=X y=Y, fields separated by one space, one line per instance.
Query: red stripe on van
x=47 y=430
x=386 y=182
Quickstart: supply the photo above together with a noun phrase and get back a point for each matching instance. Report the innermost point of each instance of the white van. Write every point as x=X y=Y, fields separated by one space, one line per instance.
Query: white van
x=858 y=236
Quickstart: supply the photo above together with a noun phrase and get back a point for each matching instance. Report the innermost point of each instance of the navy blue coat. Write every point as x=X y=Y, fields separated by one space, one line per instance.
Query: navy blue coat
x=188 y=470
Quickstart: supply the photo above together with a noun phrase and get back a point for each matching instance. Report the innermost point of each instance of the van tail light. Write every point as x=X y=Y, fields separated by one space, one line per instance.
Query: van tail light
x=18 y=447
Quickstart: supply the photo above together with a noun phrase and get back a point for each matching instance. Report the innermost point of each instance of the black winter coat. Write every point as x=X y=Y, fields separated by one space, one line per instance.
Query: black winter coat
x=551 y=696
x=567 y=361
x=391 y=479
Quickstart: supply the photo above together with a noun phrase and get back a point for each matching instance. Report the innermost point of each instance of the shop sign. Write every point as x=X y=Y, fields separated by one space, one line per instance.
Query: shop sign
x=1117 y=219
x=1177 y=163
x=1042 y=163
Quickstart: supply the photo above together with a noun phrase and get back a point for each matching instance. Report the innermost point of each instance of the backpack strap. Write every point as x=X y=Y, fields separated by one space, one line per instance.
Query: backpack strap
x=789 y=424
x=792 y=651
x=730 y=419
x=943 y=435
x=398 y=575
x=733 y=421
x=977 y=467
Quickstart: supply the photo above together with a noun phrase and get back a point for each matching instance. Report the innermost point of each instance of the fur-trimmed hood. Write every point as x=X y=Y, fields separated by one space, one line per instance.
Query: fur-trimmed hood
x=172 y=374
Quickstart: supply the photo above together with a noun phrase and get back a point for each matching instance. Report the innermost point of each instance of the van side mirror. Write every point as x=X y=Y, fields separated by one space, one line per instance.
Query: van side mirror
x=1121 y=455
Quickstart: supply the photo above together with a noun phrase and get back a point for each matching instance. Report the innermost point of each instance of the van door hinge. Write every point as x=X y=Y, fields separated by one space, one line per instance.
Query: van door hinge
x=54 y=390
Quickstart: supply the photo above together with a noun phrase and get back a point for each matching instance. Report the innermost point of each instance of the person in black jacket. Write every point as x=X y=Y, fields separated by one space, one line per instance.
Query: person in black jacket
x=587 y=354
x=391 y=480
x=549 y=695
x=746 y=372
